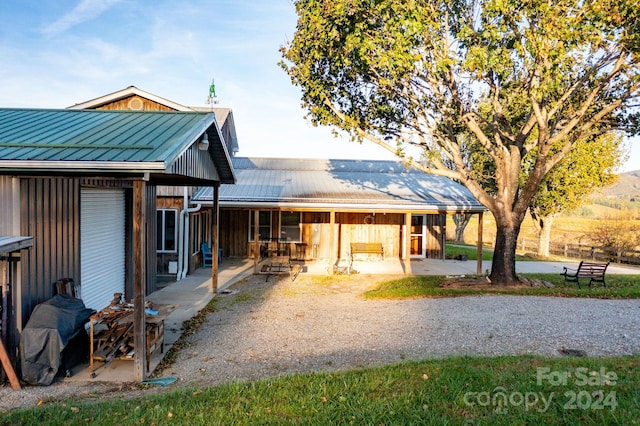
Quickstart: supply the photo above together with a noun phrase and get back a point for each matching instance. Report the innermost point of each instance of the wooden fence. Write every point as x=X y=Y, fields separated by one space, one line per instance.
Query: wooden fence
x=583 y=252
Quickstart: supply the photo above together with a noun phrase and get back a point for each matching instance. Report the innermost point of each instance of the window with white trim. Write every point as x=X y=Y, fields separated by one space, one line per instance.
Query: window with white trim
x=264 y=225
x=167 y=230
x=290 y=226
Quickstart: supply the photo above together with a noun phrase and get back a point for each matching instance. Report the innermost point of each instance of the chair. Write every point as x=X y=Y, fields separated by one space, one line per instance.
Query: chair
x=67 y=287
x=206 y=255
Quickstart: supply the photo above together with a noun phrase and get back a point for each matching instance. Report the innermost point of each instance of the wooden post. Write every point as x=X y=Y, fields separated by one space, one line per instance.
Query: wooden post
x=139 y=278
x=406 y=243
x=256 y=237
x=215 y=244
x=480 y=243
x=8 y=368
x=333 y=256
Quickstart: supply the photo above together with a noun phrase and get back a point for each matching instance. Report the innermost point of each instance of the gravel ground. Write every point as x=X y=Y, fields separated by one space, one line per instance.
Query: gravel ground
x=271 y=328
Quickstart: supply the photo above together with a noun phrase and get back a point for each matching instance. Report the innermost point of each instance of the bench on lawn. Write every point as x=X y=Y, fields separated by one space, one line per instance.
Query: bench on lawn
x=591 y=270
x=367 y=248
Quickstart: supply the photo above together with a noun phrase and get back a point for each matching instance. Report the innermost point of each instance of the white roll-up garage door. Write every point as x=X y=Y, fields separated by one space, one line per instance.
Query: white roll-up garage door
x=102 y=241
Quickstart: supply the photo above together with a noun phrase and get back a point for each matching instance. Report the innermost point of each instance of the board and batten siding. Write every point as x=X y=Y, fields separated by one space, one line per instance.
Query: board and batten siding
x=49 y=214
x=9 y=206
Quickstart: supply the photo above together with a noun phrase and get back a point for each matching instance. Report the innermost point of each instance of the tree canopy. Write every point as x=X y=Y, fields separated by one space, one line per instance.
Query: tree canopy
x=590 y=165
x=514 y=84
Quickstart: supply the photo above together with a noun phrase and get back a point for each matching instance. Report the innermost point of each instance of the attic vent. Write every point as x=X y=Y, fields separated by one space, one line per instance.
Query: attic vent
x=135 y=104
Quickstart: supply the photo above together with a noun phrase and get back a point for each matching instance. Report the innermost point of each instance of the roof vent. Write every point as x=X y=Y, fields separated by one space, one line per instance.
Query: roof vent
x=135 y=104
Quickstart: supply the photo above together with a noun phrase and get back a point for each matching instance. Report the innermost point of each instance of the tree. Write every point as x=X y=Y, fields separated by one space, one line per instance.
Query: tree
x=588 y=166
x=522 y=78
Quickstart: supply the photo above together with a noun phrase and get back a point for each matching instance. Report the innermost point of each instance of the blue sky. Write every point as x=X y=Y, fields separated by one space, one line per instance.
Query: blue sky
x=56 y=53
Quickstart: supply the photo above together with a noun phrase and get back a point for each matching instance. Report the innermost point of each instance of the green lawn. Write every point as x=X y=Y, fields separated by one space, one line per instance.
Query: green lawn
x=618 y=287
x=458 y=390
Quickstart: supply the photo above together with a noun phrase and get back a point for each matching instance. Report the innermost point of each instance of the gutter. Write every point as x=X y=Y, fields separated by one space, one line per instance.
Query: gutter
x=352 y=206
x=183 y=240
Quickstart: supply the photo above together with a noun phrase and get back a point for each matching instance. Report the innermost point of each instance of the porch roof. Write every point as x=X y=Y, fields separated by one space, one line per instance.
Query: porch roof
x=93 y=142
x=339 y=184
x=9 y=244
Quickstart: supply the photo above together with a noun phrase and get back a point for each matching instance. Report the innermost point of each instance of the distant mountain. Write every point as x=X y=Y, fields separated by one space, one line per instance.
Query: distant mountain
x=628 y=186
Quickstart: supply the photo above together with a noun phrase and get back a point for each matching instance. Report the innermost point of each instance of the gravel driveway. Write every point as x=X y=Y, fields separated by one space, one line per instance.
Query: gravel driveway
x=270 y=328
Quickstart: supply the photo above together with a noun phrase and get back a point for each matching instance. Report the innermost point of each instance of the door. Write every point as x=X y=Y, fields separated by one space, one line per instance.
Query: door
x=418 y=235
x=102 y=246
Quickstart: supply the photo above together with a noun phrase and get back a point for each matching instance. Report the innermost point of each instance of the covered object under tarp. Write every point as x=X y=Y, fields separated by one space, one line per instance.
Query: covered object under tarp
x=51 y=327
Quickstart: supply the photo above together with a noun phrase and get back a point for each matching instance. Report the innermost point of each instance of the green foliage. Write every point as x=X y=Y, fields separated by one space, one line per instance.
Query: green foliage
x=456 y=390
x=590 y=165
x=492 y=93
x=618 y=287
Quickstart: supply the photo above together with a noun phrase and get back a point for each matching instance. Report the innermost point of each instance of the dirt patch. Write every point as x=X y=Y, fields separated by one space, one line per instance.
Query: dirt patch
x=484 y=283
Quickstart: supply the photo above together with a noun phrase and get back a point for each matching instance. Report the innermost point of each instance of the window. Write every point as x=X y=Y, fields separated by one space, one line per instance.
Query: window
x=167 y=230
x=264 y=225
x=290 y=226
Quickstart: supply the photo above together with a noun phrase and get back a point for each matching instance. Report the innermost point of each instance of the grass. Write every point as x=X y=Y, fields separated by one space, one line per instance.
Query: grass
x=457 y=390
x=618 y=287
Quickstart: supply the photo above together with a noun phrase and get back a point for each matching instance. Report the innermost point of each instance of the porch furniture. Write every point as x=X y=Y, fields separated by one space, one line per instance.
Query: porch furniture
x=367 y=248
x=587 y=270
x=68 y=287
x=275 y=246
x=277 y=253
x=301 y=251
x=206 y=255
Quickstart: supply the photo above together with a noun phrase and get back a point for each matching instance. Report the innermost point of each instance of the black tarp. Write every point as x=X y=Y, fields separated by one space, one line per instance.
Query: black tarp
x=52 y=326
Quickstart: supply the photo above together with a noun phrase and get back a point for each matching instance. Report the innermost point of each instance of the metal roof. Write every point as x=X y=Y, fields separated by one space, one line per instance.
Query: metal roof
x=9 y=244
x=99 y=140
x=339 y=184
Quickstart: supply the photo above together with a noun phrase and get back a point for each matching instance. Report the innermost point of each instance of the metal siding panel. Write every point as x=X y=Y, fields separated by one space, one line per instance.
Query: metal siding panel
x=152 y=259
x=102 y=231
x=48 y=212
x=9 y=206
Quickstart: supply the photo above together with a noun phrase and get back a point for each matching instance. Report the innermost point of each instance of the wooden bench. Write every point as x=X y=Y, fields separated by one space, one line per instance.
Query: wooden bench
x=367 y=248
x=591 y=270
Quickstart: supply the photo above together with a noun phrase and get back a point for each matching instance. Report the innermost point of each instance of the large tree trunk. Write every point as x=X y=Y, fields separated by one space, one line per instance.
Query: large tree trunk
x=503 y=266
x=544 y=235
x=461 y=221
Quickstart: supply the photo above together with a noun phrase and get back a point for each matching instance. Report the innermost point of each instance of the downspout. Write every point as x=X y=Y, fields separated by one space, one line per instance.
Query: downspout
x=183 y=241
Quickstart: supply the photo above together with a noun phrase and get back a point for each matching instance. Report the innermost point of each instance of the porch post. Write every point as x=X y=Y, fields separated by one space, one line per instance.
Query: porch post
x=139 y=278
x=256 y=236
x=479 y=248
x=215 y=215
x=406 y=241
x=332 y=241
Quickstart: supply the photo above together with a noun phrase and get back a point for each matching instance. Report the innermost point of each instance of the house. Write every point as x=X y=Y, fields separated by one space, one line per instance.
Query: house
x=80 y=185
x=181 y=230
x=319 y=207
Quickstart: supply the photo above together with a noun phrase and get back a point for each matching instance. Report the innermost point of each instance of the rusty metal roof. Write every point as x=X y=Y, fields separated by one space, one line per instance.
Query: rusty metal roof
x=150 y=142
x=340 y=184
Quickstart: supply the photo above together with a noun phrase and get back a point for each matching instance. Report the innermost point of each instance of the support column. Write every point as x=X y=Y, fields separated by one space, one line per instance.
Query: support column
x=333 y=256
x=255 y=248
x=139 y=278
x=215 y=244
x=406 y=243
x=480 y=243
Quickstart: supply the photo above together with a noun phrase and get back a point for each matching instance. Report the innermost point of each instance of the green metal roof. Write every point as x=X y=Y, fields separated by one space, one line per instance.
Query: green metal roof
x=148 y=141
